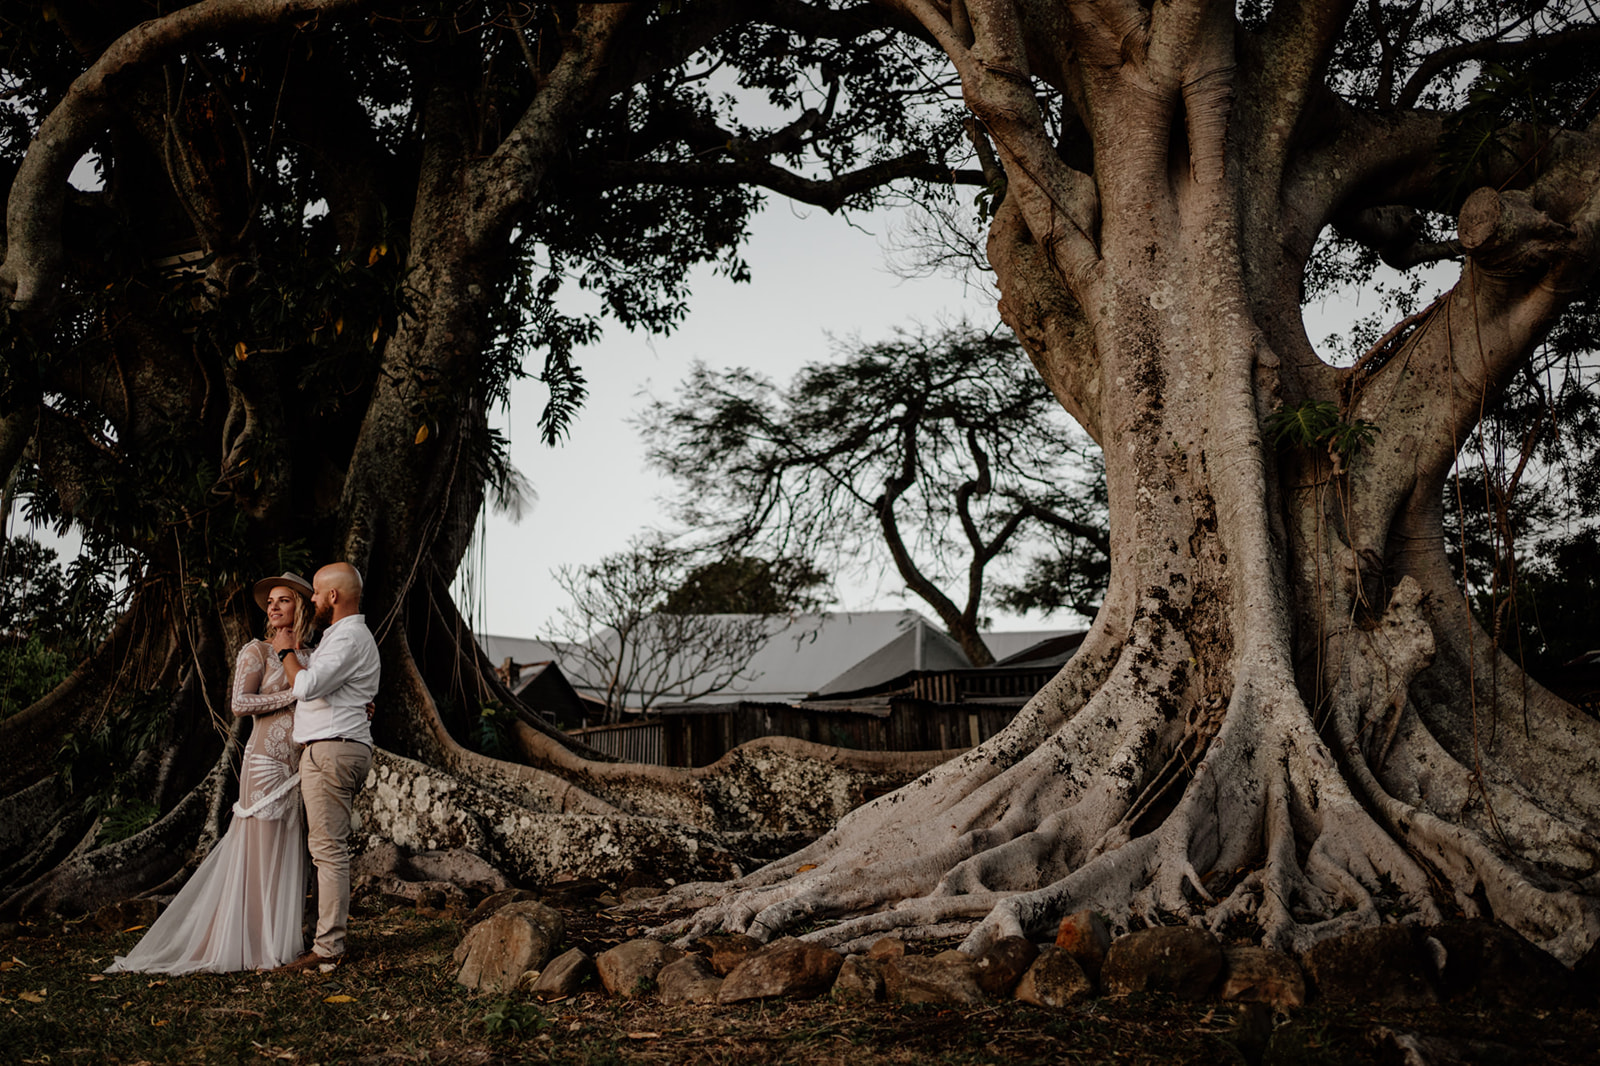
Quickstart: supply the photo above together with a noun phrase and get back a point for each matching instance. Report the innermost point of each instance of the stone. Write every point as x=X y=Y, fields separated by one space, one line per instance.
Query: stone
x=630 y=969
x=1176 y=959
x=565 y=975
x=640 y=893
x=1086 y=937
x=860 y=979
x=462 y=868
x=1054 y=980
x=431 y=899
x=948 y=979
x=1253 y=974
x=379 y=859
x=489 y=904
x=787 y=967
x=1493 y=964
x=688 y=980
x=887 y=947
x=725 y=951
x=515 y=939
x=115 y=917
x=1002 y=965
x=1385 y=964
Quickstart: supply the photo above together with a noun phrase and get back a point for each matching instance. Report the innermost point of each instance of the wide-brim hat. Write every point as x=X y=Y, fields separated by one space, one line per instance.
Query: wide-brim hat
x=284 y=580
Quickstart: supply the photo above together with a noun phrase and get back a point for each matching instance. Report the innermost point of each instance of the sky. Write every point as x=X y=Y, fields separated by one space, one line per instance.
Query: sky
x=815 y=276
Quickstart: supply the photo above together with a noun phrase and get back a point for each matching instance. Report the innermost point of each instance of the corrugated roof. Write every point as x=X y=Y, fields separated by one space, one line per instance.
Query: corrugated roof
x=922 y=647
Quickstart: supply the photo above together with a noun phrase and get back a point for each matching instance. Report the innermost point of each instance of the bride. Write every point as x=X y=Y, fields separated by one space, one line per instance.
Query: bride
x=242 y=908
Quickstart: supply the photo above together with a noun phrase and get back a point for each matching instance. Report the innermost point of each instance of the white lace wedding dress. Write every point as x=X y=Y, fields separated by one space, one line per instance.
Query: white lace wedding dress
x=242 y=909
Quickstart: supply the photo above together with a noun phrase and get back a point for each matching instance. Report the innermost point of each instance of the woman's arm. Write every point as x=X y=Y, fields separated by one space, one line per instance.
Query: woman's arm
x=248 y=673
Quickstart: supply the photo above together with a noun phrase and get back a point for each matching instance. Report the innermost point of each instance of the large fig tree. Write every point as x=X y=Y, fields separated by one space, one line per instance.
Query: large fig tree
x=268 y=264
x=1285 y=722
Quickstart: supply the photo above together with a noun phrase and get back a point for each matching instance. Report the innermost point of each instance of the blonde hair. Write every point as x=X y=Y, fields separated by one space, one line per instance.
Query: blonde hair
x=305 y=624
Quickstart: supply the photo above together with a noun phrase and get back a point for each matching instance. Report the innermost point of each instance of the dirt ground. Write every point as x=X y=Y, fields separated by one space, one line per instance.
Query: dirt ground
x=396 y=1001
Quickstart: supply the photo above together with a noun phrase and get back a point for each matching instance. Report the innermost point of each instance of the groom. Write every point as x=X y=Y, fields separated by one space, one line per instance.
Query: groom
x=331 y=721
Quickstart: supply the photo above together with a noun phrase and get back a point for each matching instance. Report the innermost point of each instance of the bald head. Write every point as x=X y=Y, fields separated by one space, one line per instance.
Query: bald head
x=336 y=592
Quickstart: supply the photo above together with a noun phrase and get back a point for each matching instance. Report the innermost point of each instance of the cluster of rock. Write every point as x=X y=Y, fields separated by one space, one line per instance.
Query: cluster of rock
x=514 y=948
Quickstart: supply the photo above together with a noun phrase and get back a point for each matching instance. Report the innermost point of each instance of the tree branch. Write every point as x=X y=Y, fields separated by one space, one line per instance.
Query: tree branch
x=31 y=274
x=830 y=194
x=1492 y=50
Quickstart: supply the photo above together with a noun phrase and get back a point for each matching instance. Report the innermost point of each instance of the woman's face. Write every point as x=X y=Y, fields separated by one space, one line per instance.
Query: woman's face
x=282 y=603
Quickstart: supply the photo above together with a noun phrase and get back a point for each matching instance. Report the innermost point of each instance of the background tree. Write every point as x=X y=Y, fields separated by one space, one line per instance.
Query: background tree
x=620 y=638
x=1285 y=721
x=324 y=238
x=748 y=584
x=943 y=452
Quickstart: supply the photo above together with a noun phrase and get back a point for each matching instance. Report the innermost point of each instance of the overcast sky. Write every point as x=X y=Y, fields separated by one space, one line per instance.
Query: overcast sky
x=815 y=276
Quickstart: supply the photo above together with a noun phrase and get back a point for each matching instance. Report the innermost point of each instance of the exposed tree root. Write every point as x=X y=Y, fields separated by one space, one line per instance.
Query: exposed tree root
x=1245 y=816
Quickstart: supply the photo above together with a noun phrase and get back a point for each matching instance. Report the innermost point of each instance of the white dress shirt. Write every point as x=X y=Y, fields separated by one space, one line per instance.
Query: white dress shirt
x=335 y=688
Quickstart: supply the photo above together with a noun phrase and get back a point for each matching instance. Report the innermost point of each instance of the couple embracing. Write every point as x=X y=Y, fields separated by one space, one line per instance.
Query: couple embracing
x=311 y=747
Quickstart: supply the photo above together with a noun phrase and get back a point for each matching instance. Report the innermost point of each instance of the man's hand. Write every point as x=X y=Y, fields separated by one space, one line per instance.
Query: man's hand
x=284 y=640
x=372 y=709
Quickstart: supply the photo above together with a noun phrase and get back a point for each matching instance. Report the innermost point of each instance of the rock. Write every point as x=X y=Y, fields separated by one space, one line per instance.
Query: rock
x=1386 y=964
x=1253 y=974
x=1175 y=959
x=630 y=969
x=500 y=949
x=787 y=967
x=430 y=898
x=639 y=893
x=725 y=951
x=887 y=947
x=1420 y=1049
x=688 y=980
x=1002 y=965
x=379 y=859
x=1494 y=964
x=948 y=979
x=564 y=976
x=1086 y=937
x=860 y=978
x=489 y=904
x=459 y=867
x=115 y=917
x=574 y=891
x=1054 y=980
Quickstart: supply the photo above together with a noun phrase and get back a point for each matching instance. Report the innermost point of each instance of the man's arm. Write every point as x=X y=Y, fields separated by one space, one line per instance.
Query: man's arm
x=346 y=654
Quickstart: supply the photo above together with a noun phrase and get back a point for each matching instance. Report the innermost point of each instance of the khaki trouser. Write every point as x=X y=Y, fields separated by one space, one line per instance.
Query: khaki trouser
x=331 y=772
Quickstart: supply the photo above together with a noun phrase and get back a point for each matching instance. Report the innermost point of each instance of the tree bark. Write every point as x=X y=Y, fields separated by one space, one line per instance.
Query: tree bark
x=1284 y=721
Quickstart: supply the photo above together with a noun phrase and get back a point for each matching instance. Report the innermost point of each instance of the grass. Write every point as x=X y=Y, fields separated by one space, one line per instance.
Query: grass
x=396 y=1002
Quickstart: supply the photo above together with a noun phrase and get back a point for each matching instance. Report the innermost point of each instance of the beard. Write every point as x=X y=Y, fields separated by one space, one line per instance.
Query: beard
x=324 y=615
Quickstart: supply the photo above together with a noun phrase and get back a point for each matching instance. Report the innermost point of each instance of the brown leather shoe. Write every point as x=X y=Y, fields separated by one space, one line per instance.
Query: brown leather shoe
x=309 y=961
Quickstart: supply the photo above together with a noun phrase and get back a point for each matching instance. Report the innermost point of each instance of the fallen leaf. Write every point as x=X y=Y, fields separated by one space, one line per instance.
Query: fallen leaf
x=32 y=997
x=341 y=998
x=97 y=977
x=155 y=984
x=422 y=434
x=157 y=1023
x=644 y=1036
x=803 y=867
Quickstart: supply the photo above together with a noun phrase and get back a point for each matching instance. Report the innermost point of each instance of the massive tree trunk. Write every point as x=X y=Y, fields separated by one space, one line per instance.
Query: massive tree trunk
x=1284 y=722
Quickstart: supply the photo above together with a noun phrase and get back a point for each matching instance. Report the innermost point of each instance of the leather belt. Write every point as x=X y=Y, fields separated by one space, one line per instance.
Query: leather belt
x=341 y=740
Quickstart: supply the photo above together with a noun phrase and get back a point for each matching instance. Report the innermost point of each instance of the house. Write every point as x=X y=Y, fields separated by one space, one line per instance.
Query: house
x=884 y=680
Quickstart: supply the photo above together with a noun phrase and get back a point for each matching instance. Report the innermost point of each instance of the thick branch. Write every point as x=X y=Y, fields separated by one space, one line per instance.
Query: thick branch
x=830 y=194
x=31 y=272
x=1492 y=50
